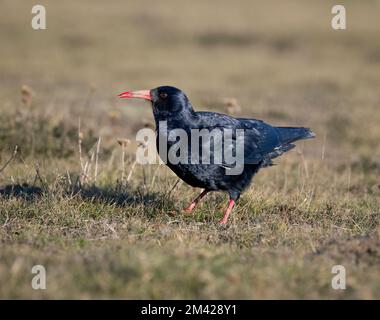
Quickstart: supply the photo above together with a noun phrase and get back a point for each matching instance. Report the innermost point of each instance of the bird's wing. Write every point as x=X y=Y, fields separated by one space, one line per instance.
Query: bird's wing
x=261 y=141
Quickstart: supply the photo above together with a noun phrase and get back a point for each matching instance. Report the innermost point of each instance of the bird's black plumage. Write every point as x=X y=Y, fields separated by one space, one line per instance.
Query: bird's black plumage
x=172 y=110
x=262 y=142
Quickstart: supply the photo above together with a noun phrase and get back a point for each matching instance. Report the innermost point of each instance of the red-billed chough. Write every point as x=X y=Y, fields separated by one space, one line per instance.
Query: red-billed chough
x=262 y=142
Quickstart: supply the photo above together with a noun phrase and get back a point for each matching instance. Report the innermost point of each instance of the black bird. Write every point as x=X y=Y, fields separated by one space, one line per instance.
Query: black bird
x=262 y=143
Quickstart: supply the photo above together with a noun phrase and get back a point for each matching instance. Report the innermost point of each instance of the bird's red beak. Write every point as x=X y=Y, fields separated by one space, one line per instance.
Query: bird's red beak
x=142 y=94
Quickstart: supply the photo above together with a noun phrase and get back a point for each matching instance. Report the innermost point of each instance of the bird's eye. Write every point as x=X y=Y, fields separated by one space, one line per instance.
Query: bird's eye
x=163 y=95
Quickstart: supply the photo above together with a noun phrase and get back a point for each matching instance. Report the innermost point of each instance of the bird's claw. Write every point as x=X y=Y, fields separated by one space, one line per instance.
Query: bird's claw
x=223 y=222
x=190 y=208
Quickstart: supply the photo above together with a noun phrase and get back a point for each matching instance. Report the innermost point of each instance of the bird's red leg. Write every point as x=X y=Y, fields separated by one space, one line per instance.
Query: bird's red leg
x=192 y=205
x=228 y=212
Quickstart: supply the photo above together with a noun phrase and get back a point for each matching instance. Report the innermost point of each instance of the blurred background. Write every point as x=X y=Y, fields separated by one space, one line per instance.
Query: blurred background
x=279 y=61
x=276 y=60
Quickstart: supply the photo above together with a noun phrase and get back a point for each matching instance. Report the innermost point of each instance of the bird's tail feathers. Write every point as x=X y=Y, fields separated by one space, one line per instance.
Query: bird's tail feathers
x=292 y=134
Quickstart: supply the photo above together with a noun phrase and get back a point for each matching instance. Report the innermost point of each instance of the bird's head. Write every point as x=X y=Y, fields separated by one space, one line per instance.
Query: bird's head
x=166 y=101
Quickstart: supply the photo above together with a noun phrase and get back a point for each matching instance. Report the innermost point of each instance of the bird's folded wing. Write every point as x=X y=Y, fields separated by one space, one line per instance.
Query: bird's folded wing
x=248 y=146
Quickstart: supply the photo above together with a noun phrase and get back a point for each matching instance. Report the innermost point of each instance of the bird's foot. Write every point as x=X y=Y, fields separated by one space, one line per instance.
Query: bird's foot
x=190 y=207
x=223 y=222
x=227 y=213
x=193 y=204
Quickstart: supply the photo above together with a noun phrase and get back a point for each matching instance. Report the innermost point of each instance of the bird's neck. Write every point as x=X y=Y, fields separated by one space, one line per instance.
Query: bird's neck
x=176 y=120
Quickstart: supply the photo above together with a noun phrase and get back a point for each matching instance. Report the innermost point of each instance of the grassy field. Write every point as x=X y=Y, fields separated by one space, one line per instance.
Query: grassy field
x=102 y=235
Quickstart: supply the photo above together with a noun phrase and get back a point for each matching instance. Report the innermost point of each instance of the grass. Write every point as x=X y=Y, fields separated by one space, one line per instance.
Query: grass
x=102 y=235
